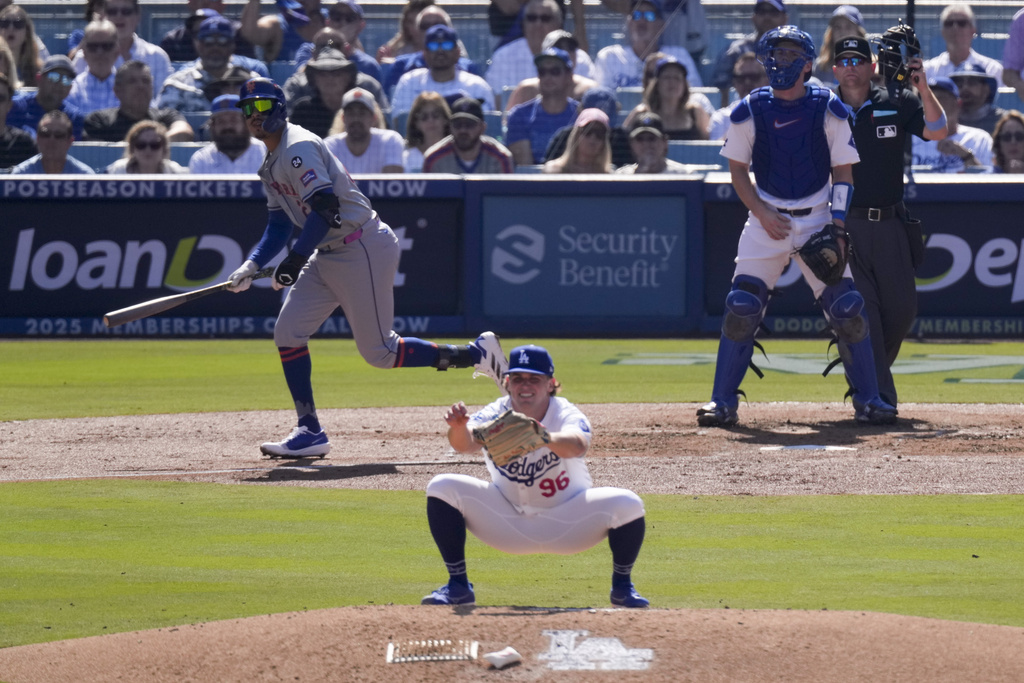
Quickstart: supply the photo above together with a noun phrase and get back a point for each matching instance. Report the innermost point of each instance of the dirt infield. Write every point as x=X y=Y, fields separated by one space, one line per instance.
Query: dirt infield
x=782 y=448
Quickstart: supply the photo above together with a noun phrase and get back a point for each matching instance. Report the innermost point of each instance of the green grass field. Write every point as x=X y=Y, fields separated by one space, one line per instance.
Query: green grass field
x=90 y=557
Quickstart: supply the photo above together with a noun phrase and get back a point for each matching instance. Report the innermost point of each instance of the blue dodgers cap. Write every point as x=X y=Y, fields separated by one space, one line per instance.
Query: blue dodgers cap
x=530 y=358
x=601 y=98
x=976 y=71
x=850 y=12
x=352 y=5
x=943 y=83
x=224 y=103
x=440 y=33
x=554 y=53
x=215 y=26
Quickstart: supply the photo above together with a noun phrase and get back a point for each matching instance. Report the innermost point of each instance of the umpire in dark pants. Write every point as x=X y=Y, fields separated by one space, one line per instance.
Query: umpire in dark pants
x=887 y=243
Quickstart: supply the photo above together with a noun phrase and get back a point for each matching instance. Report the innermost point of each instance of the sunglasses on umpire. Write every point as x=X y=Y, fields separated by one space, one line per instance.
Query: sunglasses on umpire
x=62 y=79
x=1016 y=136
x=435 y=46
x=16 y=23
x=645 y=15
x=852 y=61
x=253 y=106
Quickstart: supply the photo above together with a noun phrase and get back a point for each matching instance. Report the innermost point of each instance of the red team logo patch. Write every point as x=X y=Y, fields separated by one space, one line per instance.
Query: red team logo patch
x=308 y=177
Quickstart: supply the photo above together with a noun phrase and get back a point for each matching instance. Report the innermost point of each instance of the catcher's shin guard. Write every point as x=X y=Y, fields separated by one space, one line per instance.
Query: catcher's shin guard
x=744 y=308
x=843 y=306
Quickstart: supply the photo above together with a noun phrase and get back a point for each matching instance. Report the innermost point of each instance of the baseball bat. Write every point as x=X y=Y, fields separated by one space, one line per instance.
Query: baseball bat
x=154 y=306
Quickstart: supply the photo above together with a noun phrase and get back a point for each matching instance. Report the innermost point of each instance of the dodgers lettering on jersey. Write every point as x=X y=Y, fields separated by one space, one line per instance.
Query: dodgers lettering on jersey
x=540 y=479
x=301 y=166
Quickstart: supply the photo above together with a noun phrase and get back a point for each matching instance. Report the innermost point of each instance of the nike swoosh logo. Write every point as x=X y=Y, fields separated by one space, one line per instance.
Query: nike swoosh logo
x=783 y=125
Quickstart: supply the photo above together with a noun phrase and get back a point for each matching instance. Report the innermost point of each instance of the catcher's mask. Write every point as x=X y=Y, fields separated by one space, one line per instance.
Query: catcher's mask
x=896 y=47
x=785 y=64
x=258 y=93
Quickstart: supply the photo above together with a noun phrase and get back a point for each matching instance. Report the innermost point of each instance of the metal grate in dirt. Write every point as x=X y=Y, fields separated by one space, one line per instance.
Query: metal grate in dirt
x=432 y=651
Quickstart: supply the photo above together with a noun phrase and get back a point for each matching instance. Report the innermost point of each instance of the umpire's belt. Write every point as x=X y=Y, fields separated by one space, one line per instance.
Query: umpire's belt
x=796 y=212
x=875 y=215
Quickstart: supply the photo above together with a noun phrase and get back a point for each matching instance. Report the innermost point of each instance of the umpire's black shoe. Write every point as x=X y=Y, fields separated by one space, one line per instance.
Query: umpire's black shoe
x=716 y=415
x=875 y=412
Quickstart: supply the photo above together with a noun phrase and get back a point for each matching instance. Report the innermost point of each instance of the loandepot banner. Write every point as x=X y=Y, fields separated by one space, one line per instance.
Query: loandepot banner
x=72 y=250
x=584 y=256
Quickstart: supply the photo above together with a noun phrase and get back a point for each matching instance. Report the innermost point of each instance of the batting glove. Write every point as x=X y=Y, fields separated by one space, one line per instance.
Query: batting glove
x=287 y=271
x=242 y=278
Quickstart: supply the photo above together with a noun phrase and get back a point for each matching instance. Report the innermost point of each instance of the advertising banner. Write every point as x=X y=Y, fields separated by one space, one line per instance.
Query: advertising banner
x=970 y=284
x=610 y=256
x=71 y=251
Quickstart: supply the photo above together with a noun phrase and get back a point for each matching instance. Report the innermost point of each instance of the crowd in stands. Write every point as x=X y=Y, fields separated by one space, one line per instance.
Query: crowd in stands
x=419 y=102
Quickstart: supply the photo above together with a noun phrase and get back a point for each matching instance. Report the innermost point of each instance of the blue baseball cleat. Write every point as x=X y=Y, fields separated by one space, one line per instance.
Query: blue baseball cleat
x=301 y=443
x=451 y=594
x=875 y=412
x=626 y=596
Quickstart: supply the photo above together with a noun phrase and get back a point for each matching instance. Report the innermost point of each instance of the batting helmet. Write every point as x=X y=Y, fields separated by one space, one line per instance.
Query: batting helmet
x=265 y=89
x=896 y=47
x=784 y=73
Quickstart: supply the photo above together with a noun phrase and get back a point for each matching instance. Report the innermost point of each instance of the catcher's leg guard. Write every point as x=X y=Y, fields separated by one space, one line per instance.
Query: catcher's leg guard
x=744 y=309
x=843 y=306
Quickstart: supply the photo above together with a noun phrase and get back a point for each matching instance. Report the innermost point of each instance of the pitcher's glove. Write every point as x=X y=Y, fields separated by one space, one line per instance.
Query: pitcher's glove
x=509 y=436
x=826 y=253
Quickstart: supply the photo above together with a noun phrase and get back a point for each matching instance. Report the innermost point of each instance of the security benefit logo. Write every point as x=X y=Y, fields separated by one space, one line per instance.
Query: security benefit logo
x=635 y=260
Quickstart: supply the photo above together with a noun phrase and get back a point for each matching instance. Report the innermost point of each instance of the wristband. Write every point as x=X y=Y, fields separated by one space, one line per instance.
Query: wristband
x=936 y=125
x=842 y=193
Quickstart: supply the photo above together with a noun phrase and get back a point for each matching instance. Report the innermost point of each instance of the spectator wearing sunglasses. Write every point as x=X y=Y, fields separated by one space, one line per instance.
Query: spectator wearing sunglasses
x=231 y=149
x=767 y=14
x=54 y=85
x=686 y=23
x=15 y=144
x=622 y=66
x=441 y=75
x=17 y=29
x=747 y=75
x=506 y=19
x=468 y=149
x=883 y=262
x=147 y=150
x=588 y=149
x=179 y=43
x=93 y=88
x=959 y=28
x=430 y=16
x=531 y=125
x=186 y=89
x=978 y=93
x=582 y=71
x=132 y=86
x=1008 y=143
x=965 y=149
x=512 y=63
x=54 y=136
x=125 y=16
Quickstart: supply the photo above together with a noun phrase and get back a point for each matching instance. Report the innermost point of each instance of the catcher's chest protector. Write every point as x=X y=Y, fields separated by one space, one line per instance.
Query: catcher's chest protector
x=791 y=157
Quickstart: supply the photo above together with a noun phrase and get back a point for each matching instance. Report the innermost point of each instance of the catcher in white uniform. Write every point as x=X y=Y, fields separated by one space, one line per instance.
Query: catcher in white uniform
x=344 y=256
x=540 y=502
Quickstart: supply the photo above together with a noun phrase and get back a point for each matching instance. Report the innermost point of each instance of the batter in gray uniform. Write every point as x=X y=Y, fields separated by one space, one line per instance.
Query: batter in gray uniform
x=344 y=256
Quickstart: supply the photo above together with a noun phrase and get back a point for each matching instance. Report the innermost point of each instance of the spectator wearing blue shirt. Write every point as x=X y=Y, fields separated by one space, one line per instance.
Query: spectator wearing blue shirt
x=53 y=138
x=280 y=35
x=430 y=16
x=54 y=81
x=532 y=124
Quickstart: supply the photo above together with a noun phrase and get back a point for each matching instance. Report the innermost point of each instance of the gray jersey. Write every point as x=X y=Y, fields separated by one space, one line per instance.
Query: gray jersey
x=302 y=165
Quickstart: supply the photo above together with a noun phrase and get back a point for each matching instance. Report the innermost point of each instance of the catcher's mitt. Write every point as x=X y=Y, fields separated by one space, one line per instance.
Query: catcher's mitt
x=509 y=436
x=826 y=253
